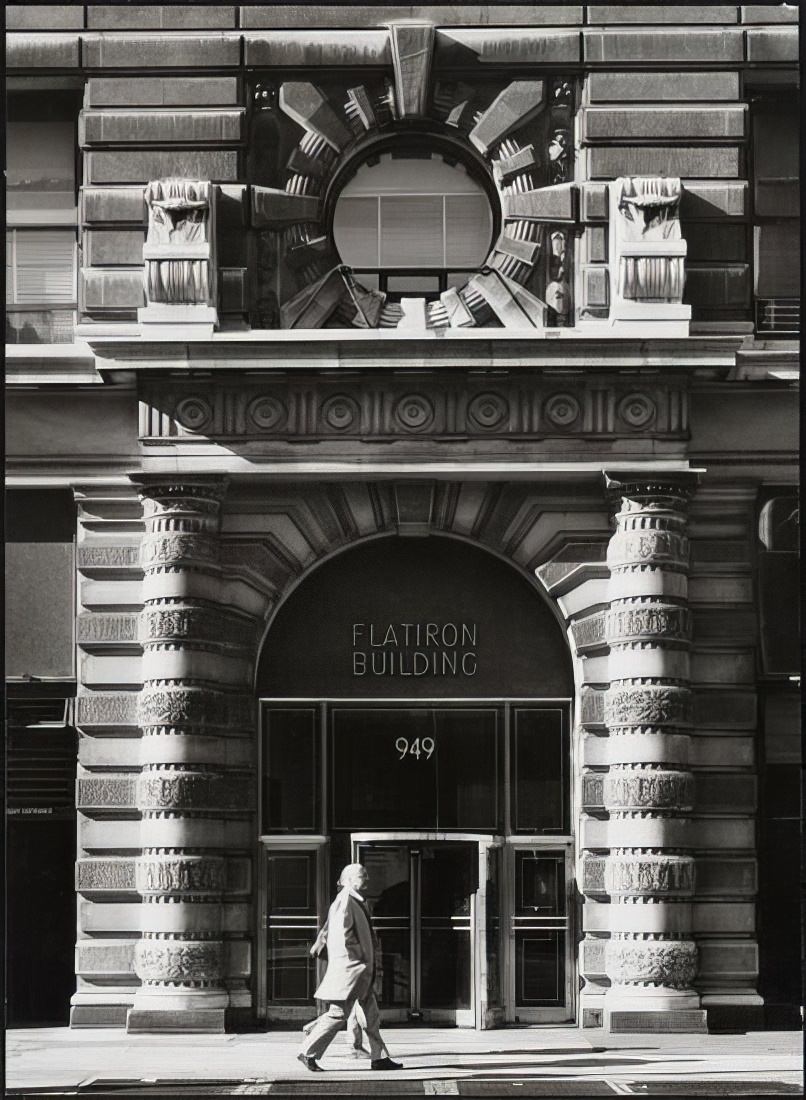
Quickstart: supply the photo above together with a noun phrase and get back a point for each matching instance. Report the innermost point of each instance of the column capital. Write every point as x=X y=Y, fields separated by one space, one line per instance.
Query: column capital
x=651 y=484
x=211 y=487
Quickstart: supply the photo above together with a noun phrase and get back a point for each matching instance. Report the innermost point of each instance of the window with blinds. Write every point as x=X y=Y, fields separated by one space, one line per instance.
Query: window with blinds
x=41 y=178
x=776 y=200
x=40 y=267
x=412 y=225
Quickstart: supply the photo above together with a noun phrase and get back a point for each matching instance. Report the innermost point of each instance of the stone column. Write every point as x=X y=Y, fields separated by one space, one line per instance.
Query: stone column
x=651 y=958
x=195 y=790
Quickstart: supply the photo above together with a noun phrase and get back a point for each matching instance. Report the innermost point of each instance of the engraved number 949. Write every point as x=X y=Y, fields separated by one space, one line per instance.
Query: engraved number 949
x=420 y=746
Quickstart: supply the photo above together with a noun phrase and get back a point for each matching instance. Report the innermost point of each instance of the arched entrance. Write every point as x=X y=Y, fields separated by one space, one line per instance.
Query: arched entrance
x=415 y=714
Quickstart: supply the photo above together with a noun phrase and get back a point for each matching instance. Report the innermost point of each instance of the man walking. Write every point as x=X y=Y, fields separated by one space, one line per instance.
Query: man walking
x=350 y=974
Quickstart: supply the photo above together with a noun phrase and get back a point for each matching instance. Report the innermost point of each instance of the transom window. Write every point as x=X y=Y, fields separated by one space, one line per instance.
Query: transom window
x=412 y=225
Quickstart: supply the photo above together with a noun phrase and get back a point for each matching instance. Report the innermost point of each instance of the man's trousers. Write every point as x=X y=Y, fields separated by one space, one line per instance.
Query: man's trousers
x=330 y=1023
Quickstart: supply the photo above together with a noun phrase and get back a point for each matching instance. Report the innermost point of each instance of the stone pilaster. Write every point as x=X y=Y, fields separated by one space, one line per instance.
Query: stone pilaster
x=648 y=791
x=195 y=792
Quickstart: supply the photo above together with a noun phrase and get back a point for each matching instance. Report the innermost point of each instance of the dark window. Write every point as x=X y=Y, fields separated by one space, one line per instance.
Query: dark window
x=776 y=200
x=540 y=770
x=415 y=768
x=290 y=770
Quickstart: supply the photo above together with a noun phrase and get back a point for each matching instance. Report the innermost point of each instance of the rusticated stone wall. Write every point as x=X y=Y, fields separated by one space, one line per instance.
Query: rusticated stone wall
x=189 y=112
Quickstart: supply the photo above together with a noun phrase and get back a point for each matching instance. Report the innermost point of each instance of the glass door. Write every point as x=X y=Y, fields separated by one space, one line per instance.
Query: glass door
x=540 y=934
x=422 y=895
x=291 y=901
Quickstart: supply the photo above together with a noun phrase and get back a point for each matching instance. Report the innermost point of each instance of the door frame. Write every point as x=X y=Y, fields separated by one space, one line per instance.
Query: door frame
x=538 y=1015
x=276 y=844
x=477 y=1015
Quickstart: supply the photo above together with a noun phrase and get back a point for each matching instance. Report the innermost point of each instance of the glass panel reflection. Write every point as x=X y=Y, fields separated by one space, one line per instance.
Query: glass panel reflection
x=540 y=968
x=448 y=879
x=388 y=895
x=292 y=883
x=540 y=883
x=414 y=768
x=292 y=971
x=290 y=759
x=540 y=776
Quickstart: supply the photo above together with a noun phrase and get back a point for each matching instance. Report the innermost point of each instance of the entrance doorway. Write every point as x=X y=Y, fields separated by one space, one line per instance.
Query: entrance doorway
x=422 y=896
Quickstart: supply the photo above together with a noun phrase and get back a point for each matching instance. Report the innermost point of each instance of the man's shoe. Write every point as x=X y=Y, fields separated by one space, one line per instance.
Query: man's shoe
x=386 y=1063
x=309 y=1063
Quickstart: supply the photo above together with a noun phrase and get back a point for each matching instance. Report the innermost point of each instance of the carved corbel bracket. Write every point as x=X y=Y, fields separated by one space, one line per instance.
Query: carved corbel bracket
x=179 y=264
x=647 y=252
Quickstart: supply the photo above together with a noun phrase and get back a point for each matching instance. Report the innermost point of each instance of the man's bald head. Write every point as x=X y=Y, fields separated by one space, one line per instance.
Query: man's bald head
x=354 y=876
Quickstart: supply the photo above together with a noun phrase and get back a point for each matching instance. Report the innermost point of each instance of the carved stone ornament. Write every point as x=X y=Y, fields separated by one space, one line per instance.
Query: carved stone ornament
x=178 y=253
x=178 y=961
x=648 y=789
x=188 y=623
x=201 y=708
x=649 y=621
x=501 y=133
x=178 y=549
x=385 y=408
x=668 y=963
x=180 y=874
x=647 y=249
x=647 y=547
x=174 y=790
x=195 y=499
x=648 y=705
x=648 y=875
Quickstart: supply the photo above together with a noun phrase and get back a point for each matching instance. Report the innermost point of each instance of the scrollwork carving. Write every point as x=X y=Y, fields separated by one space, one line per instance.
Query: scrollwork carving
x=647 y=547
x=648 y=705
x=197 y=707
x=175 y=549
x=648 y=875
x=180 y=875
x=174 y=790
x=192 y=961
x=655 y=621
x=648 y=789
x=667 y=963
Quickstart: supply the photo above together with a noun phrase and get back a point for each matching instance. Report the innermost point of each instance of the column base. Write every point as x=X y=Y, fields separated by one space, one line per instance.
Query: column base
x=681 y=1021
x=99 y=1015
x=198 y=1020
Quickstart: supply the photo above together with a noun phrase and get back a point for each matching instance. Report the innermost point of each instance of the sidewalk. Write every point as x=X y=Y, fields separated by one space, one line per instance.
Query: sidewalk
x=521 y=1061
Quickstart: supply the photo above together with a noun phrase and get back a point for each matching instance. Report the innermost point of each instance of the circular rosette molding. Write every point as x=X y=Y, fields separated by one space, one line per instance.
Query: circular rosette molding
x=266 y=413
x=488 y=411
x=193 y=413
x=341 y=413
x=414 y=413
x=562 y=410
x=637 y=410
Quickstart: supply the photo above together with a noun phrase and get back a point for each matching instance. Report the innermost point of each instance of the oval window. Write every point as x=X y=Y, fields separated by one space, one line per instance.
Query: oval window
x=412 y=225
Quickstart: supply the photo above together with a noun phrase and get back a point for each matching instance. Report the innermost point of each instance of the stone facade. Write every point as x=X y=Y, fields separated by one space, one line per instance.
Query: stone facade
x=591 y=404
